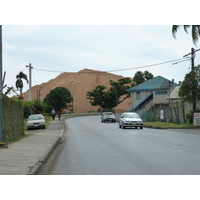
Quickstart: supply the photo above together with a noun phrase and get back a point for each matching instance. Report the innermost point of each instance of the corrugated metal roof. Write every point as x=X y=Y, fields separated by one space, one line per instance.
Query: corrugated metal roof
x=154 y=83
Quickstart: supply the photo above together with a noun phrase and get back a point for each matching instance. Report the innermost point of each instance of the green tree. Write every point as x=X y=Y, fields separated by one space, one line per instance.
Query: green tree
x=195 y=31
x=40 y=107
x=119 y=89
x=26 y=107
x=148 y=75
x=141 y=77
x=97 y=96
x=58 y=98
x=19 y=82
x=190 y=87
x=108 y=99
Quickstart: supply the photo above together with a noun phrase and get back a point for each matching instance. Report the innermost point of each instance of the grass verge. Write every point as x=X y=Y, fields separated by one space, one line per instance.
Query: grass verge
x=168 y=125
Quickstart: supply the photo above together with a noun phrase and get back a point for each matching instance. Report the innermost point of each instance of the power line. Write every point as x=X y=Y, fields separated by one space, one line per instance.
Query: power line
x=46 y=70
x=181 y=61
x=144 y=66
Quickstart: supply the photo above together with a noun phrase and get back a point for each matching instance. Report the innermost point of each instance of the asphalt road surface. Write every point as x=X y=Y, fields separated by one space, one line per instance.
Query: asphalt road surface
x=94 y=148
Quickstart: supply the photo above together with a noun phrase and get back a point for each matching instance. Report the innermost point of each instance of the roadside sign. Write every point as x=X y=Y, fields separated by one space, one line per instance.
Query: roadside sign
x=162 y=114
x=196 y=119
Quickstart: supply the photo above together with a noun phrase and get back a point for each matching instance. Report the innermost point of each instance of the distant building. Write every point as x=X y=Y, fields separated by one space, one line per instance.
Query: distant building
x=151 y=97
x=180 y=109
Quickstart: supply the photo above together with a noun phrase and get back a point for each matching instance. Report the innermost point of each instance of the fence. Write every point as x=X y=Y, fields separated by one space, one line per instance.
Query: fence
x=176 y=112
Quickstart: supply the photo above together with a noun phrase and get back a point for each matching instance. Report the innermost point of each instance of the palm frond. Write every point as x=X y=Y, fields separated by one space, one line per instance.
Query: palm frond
x=198 y=27
x=195 y=31
x=174 y=30
x=195 y=34
x=21 y=75
x=186 y=27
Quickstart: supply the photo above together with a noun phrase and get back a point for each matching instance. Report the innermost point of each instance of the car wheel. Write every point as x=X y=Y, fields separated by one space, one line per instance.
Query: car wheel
x=123 y=126
x=120 y=125
x=135 y=127
x=141 y=127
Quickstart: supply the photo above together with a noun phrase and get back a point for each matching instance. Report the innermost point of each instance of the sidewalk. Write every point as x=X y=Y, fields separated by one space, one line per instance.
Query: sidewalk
x=26 y=156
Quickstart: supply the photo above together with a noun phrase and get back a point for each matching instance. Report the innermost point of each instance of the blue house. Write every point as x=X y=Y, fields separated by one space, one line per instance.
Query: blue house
x=151 y=95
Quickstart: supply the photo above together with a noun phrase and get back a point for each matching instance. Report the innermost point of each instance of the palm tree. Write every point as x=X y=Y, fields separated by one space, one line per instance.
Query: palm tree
x=19 y=82
x=195 y=31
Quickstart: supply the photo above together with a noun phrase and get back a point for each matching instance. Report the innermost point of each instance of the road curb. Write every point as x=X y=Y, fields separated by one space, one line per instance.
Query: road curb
x=35 y=170
x=172 y=127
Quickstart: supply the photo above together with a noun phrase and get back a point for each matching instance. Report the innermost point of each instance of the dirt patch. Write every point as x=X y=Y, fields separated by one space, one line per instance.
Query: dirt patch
x=81 y=82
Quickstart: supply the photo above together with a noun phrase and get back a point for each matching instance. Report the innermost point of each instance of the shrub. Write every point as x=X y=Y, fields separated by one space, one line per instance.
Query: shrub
x=40 y=107
x=13 y=118
x=190 y=116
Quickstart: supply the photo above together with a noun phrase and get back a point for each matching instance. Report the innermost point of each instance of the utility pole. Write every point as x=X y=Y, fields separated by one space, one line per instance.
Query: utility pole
x=30 y=83
x=192 y=57
x=2 y=130
x=73 y=96
x=192 y=69
x=38 y=92
x=170 y=112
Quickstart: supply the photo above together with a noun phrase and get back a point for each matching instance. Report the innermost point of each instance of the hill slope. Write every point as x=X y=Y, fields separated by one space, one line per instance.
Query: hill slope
x=83 y=81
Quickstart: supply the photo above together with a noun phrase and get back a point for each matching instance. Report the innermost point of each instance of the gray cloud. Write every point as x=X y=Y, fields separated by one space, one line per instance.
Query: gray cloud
x=106 y=48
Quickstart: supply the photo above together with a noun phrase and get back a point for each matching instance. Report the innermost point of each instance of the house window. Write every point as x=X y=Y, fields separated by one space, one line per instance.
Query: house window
x=161 y=92
x=137 y=95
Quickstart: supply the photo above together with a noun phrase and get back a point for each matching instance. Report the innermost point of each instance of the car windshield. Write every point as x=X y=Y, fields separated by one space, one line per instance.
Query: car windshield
x=35 y=117
x=108 y=113
x=131 y=115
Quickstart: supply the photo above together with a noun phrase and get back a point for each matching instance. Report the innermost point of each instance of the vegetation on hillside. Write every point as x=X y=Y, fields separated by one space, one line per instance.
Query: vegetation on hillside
x=108 y=99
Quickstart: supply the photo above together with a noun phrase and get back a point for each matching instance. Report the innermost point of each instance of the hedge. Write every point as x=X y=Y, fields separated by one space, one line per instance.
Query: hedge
x=13 y=118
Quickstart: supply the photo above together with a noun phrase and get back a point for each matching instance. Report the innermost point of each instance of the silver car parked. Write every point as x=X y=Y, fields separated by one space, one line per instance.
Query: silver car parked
x=130 y=119
x=36 y=121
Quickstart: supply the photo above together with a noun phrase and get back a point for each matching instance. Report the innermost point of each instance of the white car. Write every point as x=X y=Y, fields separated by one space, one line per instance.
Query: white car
x=130 y=119
x=108 y=116
x=36 y=121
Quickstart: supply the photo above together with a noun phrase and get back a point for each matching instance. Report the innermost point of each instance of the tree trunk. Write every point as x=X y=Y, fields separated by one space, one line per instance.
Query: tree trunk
x=20 y=97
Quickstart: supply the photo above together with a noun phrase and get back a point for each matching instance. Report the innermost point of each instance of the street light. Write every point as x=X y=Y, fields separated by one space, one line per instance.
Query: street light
x=170 y=82
x=2 y=129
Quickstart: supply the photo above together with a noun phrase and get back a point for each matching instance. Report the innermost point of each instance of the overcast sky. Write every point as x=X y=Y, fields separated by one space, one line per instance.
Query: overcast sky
x=71 y=48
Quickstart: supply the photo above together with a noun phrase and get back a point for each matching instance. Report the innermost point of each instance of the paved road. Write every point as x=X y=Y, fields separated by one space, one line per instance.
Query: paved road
x=94 y=148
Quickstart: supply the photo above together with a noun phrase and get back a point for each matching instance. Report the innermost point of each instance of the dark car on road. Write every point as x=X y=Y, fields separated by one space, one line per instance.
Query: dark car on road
x=108 y=116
